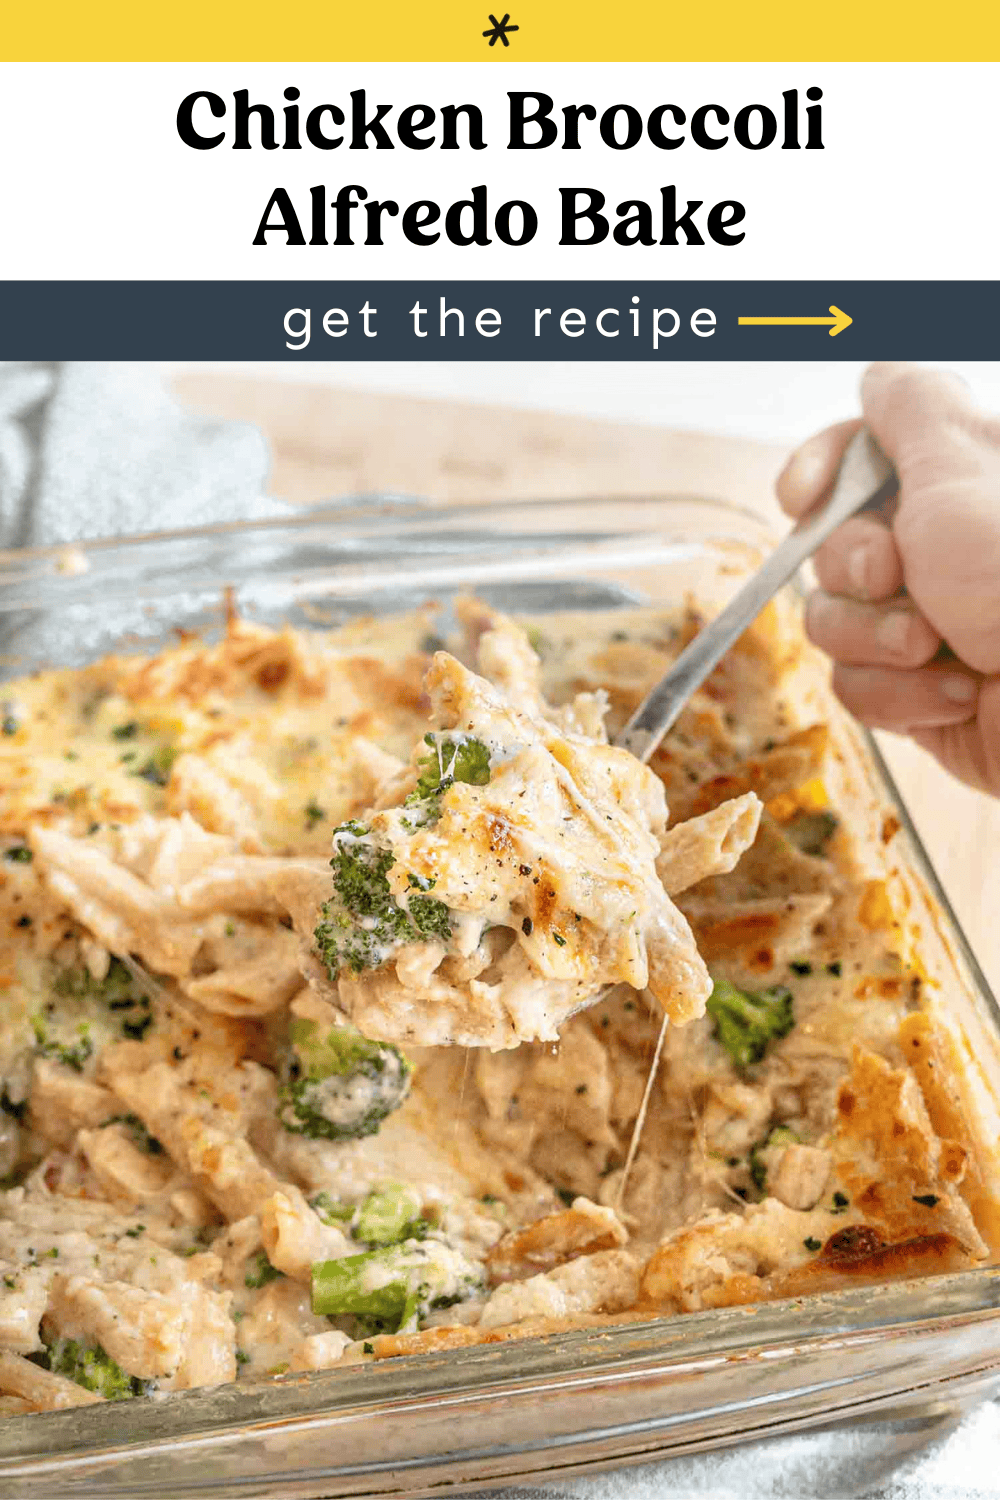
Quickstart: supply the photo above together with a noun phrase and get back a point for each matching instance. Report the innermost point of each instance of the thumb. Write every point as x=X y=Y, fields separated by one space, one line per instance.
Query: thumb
x=947 y=526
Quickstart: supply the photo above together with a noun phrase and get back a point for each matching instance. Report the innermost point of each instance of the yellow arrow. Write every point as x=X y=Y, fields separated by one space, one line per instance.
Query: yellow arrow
x=840 y=321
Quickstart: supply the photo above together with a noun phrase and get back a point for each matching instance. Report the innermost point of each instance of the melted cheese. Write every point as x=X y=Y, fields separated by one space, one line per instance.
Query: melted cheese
x=178 y=810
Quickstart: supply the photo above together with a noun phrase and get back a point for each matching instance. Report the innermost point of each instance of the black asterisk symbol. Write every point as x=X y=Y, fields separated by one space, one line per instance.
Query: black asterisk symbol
x=500 y=29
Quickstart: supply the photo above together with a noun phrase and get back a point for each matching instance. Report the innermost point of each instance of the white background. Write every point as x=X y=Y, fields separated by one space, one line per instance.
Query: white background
x=98 y=184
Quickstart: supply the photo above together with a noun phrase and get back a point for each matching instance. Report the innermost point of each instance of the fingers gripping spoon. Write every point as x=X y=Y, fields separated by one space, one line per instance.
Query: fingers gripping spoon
x=864 y=480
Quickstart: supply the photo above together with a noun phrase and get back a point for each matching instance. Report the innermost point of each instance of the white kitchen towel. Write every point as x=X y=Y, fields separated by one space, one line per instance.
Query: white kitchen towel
x=937 y=1456
x=92 y=450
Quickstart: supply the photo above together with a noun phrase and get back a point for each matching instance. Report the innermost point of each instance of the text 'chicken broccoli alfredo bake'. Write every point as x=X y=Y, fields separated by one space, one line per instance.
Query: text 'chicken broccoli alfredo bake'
x=334 y=965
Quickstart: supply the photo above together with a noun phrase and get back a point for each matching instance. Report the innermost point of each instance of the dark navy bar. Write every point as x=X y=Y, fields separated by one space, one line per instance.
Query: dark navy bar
x=193 y=320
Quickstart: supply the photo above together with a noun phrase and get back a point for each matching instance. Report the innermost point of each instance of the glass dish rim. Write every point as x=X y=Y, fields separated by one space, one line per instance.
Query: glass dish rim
x=371 y=506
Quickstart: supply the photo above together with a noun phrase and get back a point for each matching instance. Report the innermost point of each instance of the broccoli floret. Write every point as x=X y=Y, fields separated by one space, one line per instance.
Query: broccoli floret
x=114 y=989
x=330 y=1211
x=390 y=1215
x=71 y=1054
x=430 y=918
x=118 y=990
x=82 y=1012
x=387 y=1216
x=450 y=760
x=365 y=922
x=340 y=1085
x=746 y=1023
x=158 y=766
x=811 y=831
x=259 y=1271
x=360 y=870
x=88 y=1365
x=392 y=1288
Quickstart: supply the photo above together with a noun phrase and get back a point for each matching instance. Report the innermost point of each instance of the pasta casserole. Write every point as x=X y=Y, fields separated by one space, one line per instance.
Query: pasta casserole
x=340 y=968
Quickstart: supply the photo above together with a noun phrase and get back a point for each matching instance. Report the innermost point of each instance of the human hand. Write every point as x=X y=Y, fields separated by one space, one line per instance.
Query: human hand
x=909 y=602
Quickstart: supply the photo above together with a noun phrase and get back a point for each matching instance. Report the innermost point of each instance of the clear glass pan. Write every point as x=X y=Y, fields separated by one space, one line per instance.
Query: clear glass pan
x=569 y=1401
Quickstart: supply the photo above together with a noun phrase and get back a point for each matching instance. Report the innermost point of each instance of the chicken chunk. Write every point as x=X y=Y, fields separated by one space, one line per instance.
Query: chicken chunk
x=607 y=1281
x=800 y=1175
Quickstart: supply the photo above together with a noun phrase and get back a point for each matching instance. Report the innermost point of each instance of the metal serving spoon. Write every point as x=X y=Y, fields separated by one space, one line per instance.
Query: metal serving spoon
x=865 y=479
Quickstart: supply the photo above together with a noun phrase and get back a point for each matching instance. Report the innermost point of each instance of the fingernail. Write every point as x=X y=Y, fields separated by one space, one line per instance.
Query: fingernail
x=804 y=473
x=893 y=629
x=857 y=568
x=818 y=607
x=959 y=689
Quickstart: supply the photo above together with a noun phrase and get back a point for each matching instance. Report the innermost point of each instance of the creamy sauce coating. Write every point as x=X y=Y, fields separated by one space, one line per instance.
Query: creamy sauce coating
x=155 y=1205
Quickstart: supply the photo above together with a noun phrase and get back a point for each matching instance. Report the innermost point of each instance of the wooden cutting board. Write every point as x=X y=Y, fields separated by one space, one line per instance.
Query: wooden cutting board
x=327 y=442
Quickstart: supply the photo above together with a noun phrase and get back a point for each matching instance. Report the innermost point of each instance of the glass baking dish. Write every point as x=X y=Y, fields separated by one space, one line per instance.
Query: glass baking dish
x=571 y=1401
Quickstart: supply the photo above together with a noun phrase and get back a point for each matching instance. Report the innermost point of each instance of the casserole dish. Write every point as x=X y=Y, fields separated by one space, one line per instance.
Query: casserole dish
x=582 y=1398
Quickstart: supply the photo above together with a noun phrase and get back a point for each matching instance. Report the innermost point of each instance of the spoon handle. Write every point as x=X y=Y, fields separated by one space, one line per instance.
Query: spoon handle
x=865 y=479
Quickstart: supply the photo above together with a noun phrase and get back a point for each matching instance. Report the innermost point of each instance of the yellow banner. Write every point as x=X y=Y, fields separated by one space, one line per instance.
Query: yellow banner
x=535 y=31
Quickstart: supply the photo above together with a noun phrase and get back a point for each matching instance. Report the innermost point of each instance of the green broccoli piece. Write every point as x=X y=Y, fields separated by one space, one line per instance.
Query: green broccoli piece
x=450 y=760
x=259 y=1271
x=340 y=1085
x=330 y=1211
x=313 y=813
x=429 y=918
x=811 y=831
x=71 y=1054
x=339 y=1287
x=360 y=870
x=746 y=1023
x=365 y=922
x=79 y=984
x=118 y=990
x=393 y=1287
x=89 y=1366
x=390 y=1215
x=157 y=767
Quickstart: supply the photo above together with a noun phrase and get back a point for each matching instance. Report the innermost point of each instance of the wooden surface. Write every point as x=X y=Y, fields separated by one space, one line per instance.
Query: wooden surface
x=328 y=442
